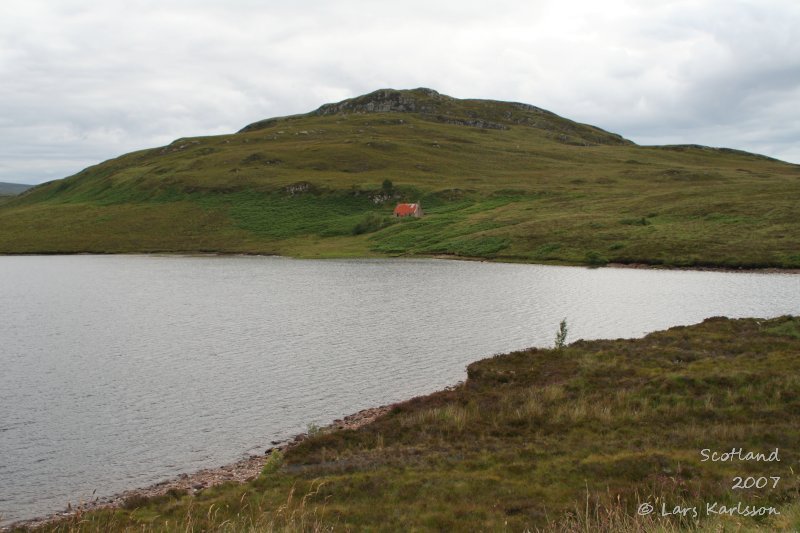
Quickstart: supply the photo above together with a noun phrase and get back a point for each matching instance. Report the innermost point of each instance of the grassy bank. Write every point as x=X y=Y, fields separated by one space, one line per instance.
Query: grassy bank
x=573 y=439
x=497 y=180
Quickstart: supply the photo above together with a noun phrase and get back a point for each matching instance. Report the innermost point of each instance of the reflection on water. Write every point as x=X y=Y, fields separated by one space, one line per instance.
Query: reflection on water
x=119 y=371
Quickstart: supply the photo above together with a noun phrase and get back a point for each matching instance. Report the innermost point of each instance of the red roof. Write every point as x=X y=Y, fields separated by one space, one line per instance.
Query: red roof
x=404 y=210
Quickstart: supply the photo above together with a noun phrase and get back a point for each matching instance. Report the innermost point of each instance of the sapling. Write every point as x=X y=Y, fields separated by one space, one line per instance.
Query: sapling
x=561 y=335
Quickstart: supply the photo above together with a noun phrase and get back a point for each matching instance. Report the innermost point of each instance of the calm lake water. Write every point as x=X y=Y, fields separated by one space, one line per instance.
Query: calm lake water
x=121 y=371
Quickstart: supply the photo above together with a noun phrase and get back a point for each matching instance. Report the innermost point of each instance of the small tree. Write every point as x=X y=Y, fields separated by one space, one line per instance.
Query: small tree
x=561 y=335
x=387 y=186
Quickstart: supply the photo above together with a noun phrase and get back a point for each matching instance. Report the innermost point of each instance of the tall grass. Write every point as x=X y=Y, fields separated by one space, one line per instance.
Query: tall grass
x=294 y=515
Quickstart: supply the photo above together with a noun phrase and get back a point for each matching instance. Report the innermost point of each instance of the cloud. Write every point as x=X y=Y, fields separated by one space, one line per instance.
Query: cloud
x=84 y=80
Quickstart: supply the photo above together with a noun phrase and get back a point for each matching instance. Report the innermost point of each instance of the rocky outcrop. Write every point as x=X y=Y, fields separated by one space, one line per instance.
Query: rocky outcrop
x=430 y=105
x=426 y=102
x=472 y=122
x=381 y=197
x=301 y=187
x=420 y=100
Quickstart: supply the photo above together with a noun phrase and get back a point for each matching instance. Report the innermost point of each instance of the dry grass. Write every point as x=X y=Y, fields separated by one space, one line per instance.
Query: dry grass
x=294 y=515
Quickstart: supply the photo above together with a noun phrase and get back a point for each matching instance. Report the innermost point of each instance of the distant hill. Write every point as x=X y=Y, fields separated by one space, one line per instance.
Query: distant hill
x=12 y=189
x=499 y=180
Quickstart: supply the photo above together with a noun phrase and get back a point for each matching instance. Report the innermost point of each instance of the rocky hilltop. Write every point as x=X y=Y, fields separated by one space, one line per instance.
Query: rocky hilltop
x=420 y=100
x=434 y=106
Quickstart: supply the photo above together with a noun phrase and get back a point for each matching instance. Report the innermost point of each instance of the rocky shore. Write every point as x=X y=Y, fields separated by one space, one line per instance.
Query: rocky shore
x=239 y=472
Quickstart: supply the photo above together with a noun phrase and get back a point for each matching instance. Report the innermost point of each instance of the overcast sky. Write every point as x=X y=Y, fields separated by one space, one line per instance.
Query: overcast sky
x=82 y=81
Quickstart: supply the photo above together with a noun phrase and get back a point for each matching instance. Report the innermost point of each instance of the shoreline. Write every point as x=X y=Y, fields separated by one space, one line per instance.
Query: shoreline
x=250 y=466
x=446 y=257
x=241 y=471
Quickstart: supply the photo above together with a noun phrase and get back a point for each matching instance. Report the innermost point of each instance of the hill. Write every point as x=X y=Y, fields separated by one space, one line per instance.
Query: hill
x=12 y=189
x=575 y=439
x=497 y=180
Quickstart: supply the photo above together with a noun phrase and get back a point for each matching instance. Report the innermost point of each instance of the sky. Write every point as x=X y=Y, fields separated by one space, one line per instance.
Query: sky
x=83 y=81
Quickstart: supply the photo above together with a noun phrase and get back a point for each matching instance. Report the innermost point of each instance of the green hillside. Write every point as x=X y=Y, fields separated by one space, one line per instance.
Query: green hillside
x=496 y=179
x=574 y=440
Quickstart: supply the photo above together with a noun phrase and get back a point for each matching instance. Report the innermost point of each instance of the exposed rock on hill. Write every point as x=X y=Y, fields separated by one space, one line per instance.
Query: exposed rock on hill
x=486 y=114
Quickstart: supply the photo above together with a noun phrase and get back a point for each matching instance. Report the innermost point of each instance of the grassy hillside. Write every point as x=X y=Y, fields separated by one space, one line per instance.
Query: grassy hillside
x=497 y=180
x=566 y=440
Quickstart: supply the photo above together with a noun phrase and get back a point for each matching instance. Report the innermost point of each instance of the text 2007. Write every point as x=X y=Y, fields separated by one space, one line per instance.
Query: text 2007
x=755 y=482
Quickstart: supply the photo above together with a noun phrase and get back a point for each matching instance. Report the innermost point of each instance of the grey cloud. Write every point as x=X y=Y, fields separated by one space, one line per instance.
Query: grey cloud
x=87 y=80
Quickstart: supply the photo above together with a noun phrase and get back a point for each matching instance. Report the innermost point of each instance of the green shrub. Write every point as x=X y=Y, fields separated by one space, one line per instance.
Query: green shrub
x=372 y=222
x=595 y=259
x=273 y=464
x=561 y=335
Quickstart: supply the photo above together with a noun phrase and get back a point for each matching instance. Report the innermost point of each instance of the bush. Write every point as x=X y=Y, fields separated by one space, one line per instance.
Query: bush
x=273 y=464
x=176 y=493
x=561 y=335
x=371 y=222
x=135 y=501
x=595 y=259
